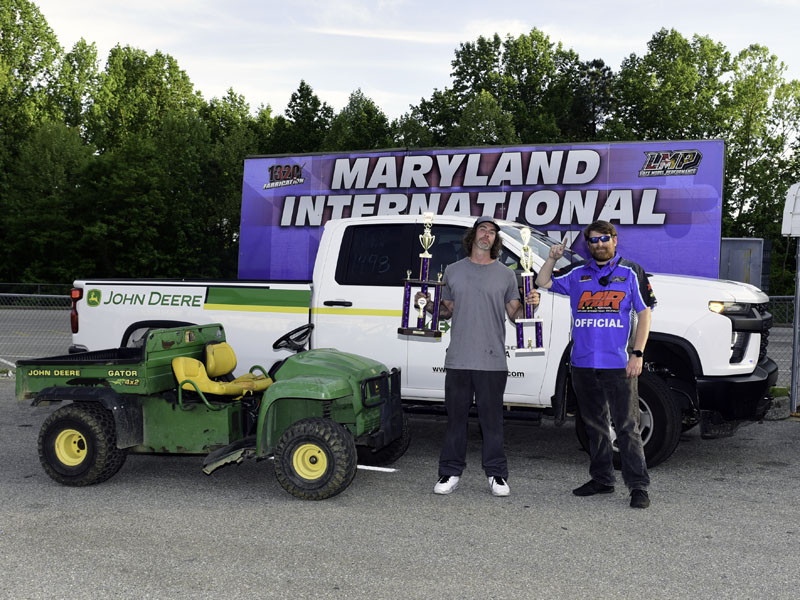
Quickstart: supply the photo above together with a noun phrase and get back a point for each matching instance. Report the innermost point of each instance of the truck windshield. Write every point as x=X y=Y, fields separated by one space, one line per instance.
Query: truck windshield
x=540 y=244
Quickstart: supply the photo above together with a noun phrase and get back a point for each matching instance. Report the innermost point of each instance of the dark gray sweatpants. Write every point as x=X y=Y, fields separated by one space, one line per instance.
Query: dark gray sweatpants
x=487 y=388
x=604 y=395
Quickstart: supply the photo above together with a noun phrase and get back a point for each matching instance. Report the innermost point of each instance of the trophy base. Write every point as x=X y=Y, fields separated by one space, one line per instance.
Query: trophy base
x=529 y=351
x=419 y=332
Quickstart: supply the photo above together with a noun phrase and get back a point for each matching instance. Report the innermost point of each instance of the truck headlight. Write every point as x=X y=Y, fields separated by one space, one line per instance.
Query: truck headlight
x=729 y=308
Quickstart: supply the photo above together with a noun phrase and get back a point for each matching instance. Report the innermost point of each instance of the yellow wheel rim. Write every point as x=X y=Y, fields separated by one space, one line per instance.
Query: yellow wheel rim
x=71 y=447
x=310 y=461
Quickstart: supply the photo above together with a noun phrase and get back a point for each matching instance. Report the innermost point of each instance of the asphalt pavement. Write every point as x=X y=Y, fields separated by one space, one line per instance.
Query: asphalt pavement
x=723 y=524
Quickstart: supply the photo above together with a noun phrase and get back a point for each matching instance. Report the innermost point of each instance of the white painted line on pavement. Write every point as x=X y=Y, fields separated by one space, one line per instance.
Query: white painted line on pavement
x=381 y=469
x=365 y=467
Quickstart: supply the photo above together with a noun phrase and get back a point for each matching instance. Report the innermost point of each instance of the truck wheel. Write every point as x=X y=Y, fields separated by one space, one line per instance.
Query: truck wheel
x=78 y=445
x=389 y=453
x=659 y=422
x=315 y=459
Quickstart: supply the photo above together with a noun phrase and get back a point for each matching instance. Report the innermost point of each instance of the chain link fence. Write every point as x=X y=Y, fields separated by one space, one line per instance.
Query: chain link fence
x=780 y=337
x=32 y=326
x=34 y=322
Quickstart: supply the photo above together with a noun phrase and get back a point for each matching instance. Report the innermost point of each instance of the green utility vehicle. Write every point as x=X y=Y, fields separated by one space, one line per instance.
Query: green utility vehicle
x=171 y=391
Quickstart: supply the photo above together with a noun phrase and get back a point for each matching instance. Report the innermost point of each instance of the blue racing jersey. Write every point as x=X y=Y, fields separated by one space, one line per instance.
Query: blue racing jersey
x=603 y=301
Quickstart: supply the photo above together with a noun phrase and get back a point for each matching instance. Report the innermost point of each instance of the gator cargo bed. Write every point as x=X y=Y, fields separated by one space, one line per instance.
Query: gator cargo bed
x=143 y=370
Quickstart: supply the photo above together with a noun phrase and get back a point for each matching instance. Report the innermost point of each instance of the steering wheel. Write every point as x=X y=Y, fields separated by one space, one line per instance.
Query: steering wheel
x=295 y=340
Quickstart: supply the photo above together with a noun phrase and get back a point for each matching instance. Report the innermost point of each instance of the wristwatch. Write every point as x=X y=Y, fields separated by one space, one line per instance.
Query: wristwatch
x=637 y=353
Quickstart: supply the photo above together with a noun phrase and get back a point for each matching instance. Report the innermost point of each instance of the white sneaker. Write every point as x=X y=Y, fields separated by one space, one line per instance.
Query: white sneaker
x=499 y=486
x=446 y=484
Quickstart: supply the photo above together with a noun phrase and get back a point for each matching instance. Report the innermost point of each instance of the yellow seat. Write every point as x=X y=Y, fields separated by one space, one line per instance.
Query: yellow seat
x=192 y=375
x=221 y=361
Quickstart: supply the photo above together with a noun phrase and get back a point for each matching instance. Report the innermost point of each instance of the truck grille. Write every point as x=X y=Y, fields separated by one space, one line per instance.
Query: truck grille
x=763 y=310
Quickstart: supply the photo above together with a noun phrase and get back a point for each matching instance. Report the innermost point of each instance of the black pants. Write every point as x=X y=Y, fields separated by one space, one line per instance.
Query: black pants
x=605 y=394
x=487 y=387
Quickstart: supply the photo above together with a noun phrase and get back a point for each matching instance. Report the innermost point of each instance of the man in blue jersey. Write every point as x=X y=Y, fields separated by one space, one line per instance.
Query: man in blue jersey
x=604 y=294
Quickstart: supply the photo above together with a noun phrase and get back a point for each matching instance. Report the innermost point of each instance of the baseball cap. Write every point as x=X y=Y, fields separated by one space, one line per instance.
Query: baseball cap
x=485 y=219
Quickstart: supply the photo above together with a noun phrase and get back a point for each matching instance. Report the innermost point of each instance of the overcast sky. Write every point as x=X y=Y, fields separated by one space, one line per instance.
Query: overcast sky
x=396 y=51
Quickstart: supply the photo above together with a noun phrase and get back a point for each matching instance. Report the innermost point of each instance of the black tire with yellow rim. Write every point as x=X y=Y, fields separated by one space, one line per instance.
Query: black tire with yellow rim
x=315 y=459
x=78 y=445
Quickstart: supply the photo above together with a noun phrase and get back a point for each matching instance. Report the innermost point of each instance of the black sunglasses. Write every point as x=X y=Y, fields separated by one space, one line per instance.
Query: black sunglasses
x=600 y=238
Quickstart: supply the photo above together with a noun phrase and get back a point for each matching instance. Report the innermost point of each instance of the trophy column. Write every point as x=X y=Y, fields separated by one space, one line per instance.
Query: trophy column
x=529 y=330
x=423 y=283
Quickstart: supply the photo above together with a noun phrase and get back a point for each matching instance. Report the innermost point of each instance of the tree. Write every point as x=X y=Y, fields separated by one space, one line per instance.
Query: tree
x=549 y=93
x=29 y=54
x=409 y=131
x=483 y=122
x=234 y=135
x=530 y=76
x=42 y=225
x=134 y=94
x=360 y=125
x=76 y=85
x=263 y=126
x=672 y=92
x=763 y=155
x=308 y=121
x=439 y=115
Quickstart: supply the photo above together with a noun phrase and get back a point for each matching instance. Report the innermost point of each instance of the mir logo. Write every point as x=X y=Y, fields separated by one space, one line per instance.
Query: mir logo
x=94 y=297
x=669 y=162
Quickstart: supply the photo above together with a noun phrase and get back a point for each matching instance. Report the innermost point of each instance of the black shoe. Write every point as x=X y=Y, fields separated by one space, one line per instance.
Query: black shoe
x=639 y=499
x=592 y=487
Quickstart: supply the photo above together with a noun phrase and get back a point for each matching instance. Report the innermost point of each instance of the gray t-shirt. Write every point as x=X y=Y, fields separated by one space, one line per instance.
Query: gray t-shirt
x=480 y=294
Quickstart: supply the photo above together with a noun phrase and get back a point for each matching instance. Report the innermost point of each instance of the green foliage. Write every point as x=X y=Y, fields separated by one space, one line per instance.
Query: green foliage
x=42 y=221
x=306 y=124
x=134 y=93
x=675 y=91
x=409 y=131
x=483 y=122
x=360 y=125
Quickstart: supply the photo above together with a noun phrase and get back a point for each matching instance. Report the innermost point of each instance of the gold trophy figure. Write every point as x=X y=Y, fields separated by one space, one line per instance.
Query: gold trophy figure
x=534 y=343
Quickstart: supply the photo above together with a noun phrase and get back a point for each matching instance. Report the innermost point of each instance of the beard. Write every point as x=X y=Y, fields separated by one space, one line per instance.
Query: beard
x=601 y=253
x=483 y=245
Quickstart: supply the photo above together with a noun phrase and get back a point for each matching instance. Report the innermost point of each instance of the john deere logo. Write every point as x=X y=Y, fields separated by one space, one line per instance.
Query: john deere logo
x=93 y=297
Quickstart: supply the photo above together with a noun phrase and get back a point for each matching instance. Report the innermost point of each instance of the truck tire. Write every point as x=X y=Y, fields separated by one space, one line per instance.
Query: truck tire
x=660 y=422
x=315 y=459
x=78 y=445
x=389 y=453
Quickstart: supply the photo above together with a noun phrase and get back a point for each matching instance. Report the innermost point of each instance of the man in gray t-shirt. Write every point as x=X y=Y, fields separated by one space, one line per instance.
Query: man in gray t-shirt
x=478 y=294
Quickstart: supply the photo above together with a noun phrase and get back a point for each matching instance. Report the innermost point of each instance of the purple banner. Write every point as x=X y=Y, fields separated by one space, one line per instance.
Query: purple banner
x=665 y=198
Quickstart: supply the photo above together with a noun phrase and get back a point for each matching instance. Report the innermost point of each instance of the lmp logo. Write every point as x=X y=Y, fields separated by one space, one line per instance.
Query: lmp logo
x=669 y=162
x=94 y=297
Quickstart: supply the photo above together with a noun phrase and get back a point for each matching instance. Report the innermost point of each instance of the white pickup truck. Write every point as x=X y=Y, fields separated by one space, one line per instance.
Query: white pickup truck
x=705 y=362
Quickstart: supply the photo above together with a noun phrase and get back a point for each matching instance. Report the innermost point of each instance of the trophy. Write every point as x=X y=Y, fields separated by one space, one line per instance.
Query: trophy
x=529 y=330
x=423 y=283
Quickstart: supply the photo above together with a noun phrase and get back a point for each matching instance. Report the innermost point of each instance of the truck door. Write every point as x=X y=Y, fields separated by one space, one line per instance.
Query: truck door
x=358 y=291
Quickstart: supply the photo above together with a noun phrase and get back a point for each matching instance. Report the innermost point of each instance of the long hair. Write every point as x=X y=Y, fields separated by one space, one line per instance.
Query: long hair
x=469 y=239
